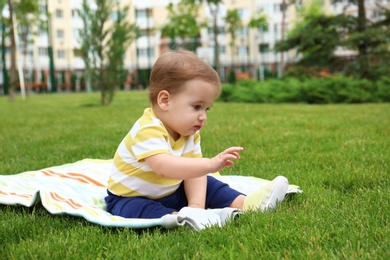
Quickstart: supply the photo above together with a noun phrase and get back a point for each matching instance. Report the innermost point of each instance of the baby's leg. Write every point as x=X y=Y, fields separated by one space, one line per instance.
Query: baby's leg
x=219 y=194
x=238 y=202
x=136 y=207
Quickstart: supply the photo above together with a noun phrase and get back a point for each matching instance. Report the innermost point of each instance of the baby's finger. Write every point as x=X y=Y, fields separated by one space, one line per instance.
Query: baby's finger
x=234 y=149
x=229 y=163
x=237 y=155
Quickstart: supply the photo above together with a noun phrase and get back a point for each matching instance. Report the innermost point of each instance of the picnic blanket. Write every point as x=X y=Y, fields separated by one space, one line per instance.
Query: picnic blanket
x=79 y=189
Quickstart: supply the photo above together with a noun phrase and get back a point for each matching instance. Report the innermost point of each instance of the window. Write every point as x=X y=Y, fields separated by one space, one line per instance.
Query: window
x=75 y=13
x=61 y=54
x=76 y=32
x=266 y=8
x=145 y=52
x=59 y=13
x=243 y=13
x=144 y=33
x=42 y=8
x=243 y=50
x=42 y=32
x=60 y=77
x=42 y=51
x=264 y=47
x=242 y=32
x=276 y=29
x=222 y=49
x=277 y=8
x=141 y=14
x=114 y=15
x=60 y=34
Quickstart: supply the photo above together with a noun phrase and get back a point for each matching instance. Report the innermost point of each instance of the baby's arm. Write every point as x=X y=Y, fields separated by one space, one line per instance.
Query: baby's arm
x=182 y=168
x=195 y=190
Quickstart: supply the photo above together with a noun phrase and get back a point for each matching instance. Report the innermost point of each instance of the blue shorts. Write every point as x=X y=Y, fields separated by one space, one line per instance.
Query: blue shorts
x=218 y=195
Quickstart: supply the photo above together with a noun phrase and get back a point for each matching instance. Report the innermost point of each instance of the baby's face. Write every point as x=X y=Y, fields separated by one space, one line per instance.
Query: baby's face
x=188 y=108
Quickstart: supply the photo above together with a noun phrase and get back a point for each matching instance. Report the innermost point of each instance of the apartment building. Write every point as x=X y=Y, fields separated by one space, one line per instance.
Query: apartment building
x=252 y=49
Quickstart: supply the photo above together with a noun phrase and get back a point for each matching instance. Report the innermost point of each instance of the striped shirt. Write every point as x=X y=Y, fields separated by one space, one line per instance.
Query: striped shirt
x=131 y=176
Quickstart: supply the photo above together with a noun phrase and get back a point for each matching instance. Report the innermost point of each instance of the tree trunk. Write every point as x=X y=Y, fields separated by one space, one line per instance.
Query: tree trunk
x=13 y=78
x=284 y=7
x=362 y=46
x=258 y=61
x=25 y=45
x=232 y=53
x=214 y=13
x=5 y=72
x=102 y=83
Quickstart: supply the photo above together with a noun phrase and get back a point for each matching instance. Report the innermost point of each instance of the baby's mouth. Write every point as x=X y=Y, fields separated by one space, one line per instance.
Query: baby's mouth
x=198 y=127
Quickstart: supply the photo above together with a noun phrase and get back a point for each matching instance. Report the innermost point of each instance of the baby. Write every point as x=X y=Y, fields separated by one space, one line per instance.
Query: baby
x=158 y=168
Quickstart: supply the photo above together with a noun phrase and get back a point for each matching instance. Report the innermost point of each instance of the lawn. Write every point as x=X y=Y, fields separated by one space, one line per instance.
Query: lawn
x=338 y=154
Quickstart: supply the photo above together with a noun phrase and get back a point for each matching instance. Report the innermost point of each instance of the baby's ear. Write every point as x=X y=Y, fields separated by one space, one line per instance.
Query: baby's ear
x=163 y=99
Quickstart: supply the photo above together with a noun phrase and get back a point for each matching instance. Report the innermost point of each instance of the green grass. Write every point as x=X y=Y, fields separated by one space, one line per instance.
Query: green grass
x=338 y=154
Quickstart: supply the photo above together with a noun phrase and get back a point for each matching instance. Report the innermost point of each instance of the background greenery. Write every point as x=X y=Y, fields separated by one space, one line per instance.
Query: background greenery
x=338 y=154
x=305 y=89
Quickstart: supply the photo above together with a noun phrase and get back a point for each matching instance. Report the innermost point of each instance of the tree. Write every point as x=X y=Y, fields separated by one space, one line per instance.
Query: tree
x=104 y=43
x=4 y=25
x=361 y=43
x=182 y=25
x=371 y=39
x=86 y=43
x=233 y=23
x=213 y=6
x=27 y=15
x=284 y=6
x=12 y=77
x=259 y=23
x=317 y=36
x=121 y=36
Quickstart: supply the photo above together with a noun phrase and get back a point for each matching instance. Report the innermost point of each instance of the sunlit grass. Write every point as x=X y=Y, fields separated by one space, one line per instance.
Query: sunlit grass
x=338 y=154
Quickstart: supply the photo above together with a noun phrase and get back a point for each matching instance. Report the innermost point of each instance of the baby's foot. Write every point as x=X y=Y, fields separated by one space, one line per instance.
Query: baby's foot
x=268 y=196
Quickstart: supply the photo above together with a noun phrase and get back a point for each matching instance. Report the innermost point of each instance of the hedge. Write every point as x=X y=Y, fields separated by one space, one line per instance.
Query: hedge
x=337 y=89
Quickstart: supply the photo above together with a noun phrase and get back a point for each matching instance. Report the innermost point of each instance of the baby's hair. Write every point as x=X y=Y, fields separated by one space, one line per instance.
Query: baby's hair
x=174 y=68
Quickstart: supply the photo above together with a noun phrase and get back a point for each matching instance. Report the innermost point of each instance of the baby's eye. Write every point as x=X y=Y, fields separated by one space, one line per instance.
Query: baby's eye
x=197 y=107
x=208 y=109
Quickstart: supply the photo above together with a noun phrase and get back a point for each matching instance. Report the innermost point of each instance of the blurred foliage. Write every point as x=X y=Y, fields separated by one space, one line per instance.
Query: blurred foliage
x=311 y=90
x=233 y=24
x=317 y=36
x=103 y=45
x=182 y=27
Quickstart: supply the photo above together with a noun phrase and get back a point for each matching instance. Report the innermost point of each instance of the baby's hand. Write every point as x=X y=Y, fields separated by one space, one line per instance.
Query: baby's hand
x=224 y=159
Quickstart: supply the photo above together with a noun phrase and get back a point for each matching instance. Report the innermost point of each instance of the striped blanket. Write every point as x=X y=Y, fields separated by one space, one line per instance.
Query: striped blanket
x=79 y=189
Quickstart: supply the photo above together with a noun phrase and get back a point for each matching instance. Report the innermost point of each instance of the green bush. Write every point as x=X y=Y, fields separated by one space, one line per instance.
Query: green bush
x=231 y=77
x=383 y=89
x=227 y=90
x=337 y=89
